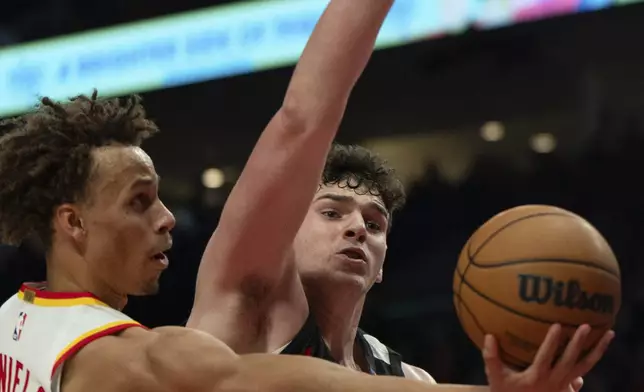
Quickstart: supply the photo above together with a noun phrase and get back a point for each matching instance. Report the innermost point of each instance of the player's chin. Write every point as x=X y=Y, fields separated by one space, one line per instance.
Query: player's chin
x=348 y=278
x=150 y=287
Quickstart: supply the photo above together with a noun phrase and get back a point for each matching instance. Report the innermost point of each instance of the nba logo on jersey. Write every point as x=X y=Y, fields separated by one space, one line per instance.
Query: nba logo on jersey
x=21 y=323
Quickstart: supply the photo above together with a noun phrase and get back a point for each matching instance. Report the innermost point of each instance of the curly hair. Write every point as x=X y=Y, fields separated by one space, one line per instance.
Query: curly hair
x=46 y=161
x=362 y=170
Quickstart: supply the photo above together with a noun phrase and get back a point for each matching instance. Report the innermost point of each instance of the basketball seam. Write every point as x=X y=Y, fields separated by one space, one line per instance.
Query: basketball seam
x=467 y=266
x=517 y=313
x=467 y=308
x=499 y=230
x=457 y=305
x=584 y=263
x=520 y=363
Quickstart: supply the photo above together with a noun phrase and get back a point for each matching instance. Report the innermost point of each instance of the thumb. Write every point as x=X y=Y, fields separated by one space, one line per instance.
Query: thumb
x=493 y=364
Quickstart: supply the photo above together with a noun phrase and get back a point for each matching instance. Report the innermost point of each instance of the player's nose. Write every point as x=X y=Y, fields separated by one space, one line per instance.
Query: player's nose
x=166 y=221
x=356 y=230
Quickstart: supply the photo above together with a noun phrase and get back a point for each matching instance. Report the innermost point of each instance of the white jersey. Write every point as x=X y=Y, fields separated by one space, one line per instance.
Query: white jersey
x=39 y=330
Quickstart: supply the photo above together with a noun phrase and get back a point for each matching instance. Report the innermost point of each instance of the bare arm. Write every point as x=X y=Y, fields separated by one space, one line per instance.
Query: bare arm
x=271 y=198
x=306 y=374
x=416 y=373
x=182 y=360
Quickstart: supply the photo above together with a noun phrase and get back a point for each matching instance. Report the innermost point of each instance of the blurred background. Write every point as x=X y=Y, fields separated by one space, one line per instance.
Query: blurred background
x=481 y=105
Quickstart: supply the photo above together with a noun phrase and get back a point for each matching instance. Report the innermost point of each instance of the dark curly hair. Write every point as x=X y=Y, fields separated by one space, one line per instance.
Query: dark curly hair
x=363 y=170
x=46 y=161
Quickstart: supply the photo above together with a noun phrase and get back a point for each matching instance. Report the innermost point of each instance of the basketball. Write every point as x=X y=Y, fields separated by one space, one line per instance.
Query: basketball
x=530 y=267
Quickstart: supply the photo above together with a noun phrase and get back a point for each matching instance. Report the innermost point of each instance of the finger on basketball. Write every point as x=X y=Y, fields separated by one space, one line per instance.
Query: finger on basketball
x=493 y=364
x=548 y=349
x=573 y=350
x=586 y=364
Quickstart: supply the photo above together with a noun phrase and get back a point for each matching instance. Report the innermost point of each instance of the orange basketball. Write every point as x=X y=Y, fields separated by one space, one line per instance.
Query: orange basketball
x=528 y=268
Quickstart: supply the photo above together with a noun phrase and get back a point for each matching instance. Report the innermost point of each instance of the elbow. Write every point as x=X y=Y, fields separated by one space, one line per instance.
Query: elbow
x=292 y=116
x=309 y=113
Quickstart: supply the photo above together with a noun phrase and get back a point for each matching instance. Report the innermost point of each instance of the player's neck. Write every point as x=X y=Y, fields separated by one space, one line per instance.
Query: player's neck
x=61 y=277
x=338 y=316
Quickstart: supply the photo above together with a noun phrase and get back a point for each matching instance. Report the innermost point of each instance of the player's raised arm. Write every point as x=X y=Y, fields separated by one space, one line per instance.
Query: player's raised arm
x=270 y=200
x=182 y=360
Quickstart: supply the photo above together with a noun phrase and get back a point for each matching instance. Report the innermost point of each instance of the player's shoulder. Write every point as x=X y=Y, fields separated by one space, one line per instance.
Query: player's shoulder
x=416 y=373
x=131 y=344
x=105 y=358
x=143 y=360
x=118 y=359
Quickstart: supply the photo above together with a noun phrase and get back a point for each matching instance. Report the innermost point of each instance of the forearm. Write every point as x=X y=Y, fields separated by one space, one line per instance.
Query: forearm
x=336 y=54
x=284 y=373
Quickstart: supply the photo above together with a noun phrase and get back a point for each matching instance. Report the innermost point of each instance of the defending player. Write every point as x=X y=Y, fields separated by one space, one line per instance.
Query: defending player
x=293 y=257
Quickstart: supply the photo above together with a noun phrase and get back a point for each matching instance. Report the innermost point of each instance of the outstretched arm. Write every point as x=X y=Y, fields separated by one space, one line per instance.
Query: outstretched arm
x=270 y=200
x=180 y=360
x=173 y=359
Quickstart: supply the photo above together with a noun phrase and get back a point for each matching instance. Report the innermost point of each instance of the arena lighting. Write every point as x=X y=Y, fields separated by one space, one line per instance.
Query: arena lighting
x=543 y=143
x=223 y=41
x=492 y=131
x=213 y=178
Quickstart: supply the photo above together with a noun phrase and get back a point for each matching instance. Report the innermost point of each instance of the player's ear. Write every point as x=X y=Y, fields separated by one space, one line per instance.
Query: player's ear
x=68 y=221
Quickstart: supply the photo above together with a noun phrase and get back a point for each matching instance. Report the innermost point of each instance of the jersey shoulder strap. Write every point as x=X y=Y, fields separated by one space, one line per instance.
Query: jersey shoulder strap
x=382 y=359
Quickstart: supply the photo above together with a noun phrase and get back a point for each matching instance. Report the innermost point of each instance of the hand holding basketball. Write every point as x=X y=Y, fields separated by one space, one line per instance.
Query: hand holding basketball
x=545 y=374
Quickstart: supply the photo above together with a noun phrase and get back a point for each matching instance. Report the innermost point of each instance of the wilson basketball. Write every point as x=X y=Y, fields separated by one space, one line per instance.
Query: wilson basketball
x=528 y=268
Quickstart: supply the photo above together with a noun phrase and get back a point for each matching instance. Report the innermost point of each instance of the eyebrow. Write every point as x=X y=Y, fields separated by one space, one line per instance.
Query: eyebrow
x=146 y=180
x=350 y=199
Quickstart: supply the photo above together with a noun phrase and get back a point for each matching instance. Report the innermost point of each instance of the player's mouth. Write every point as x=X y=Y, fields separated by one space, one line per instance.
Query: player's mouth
x=354 y=254
x=161 y=258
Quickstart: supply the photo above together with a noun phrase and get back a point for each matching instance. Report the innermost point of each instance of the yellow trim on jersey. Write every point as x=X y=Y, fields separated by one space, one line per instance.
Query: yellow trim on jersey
x=94 y=331
x=62 y=301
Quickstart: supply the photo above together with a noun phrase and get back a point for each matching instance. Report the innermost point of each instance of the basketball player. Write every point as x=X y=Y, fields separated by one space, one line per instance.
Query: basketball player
x=289 y=265
x=342 y=197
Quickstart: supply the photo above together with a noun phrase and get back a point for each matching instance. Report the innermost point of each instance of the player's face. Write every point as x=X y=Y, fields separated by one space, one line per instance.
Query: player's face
x=127 y=226
x=343 y=238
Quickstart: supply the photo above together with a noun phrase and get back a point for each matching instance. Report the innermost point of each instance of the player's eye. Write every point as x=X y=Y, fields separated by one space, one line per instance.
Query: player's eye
x=374 y=226
x=141 y=202
x=331 y=214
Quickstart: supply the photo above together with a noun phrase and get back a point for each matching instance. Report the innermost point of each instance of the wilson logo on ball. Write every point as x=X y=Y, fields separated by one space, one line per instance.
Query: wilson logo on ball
x=545 y=289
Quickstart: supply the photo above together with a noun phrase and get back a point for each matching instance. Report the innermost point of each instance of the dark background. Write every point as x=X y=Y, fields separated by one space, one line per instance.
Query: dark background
x=422 y=105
